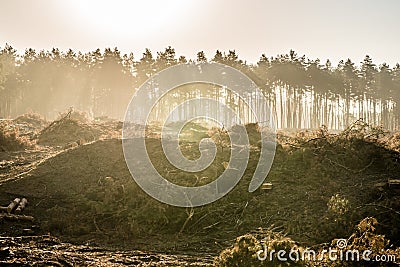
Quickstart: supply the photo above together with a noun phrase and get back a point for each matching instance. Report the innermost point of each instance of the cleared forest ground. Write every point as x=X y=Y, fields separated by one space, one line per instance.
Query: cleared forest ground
x=81 y=191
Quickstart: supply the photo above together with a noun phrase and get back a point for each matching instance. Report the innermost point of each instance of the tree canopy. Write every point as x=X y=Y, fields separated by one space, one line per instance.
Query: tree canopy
x=302 y=92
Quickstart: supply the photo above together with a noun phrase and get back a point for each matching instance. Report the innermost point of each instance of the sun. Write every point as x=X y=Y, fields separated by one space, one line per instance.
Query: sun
x=122 y=17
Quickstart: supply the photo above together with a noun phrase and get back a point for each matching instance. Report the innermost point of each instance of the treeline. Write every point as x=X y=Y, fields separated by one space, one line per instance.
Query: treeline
x=303 y=93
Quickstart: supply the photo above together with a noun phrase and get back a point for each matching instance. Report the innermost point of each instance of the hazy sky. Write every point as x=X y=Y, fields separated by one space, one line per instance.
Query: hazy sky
x=325 y=29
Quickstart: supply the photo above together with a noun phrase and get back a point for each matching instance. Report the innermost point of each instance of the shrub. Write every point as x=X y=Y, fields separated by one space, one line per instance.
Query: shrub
x=338 y=205
x=244 y=251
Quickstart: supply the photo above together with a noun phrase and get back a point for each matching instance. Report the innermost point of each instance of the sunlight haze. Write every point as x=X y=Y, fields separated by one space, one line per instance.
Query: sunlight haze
x=319 y=29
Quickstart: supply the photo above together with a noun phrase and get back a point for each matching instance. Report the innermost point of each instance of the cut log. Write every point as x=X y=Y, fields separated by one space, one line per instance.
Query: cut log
x=266 y=186
x=28 y=231
x=13 y=205
x=381 y=184
x=12 y=217
x=21 y=206
x=395 y=182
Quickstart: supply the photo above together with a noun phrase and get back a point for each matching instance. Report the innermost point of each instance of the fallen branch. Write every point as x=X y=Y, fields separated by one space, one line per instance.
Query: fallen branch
x=347 y=168
x=211 y=226
x=241 y=215
x=12 y=217
x=366 y=167
x=394 y=182
x=379 y=206
x=190 y=215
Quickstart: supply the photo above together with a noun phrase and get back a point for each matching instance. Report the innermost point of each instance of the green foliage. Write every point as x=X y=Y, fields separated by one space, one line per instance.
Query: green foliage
x=100 y=82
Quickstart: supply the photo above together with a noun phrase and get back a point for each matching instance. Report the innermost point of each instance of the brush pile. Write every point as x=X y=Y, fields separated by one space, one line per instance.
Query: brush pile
x=66 y=130
x=10 y=139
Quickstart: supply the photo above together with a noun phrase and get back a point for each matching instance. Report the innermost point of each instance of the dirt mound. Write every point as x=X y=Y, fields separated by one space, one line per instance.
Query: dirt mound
x=71 y=171
x=67 y=130
x=66 y=186
x=88 y=190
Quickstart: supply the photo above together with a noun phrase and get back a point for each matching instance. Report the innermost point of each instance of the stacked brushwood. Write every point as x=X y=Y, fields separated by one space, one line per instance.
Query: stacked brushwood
x=10 y=138
x=13 y=211
x=67 y=130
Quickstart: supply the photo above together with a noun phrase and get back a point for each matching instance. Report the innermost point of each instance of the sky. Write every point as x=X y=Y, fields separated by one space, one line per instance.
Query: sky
x=321 y=29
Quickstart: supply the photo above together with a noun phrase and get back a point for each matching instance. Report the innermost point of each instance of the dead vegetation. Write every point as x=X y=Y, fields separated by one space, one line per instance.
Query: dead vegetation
x=10 y=139
x=71 y=127
x=33 y=119
x=46 y=250
x=247 y=248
